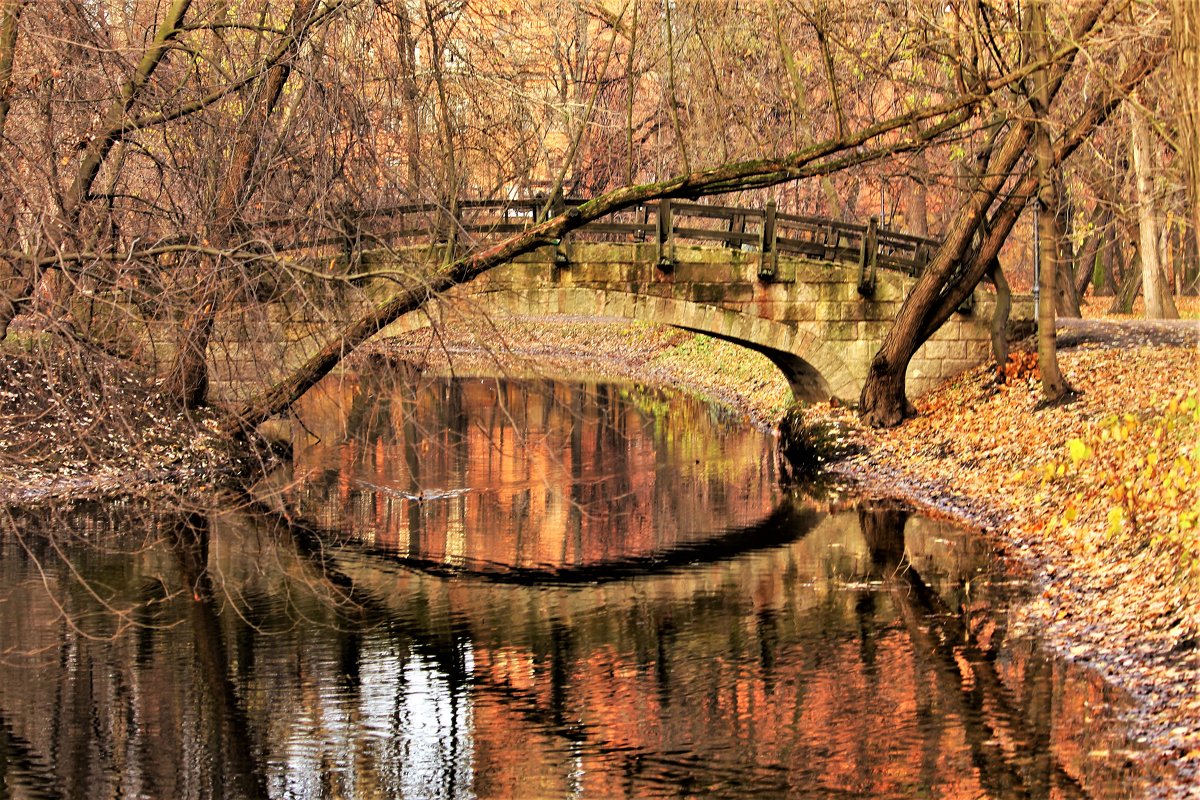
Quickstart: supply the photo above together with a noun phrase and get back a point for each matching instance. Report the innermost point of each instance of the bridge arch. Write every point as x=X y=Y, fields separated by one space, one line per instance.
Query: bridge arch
x=804 y=360
x=812 y=319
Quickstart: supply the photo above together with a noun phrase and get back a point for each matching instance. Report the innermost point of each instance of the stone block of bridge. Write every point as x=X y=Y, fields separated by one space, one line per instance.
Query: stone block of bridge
x=810 y=318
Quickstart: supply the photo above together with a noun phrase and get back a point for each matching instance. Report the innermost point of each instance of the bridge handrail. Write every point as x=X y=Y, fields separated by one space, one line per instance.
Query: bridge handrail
x=668 y=221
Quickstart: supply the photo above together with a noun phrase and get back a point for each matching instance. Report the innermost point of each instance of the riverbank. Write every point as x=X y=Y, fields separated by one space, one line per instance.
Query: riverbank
x=77 y=424
x=1096 y=499
x=1118 y=591
x=732 y=376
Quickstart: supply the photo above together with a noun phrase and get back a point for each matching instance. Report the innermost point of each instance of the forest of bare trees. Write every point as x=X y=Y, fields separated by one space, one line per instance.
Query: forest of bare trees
x=171 y=166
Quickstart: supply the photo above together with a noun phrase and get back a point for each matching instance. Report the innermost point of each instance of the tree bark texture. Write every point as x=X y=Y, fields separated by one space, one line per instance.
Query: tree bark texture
x=1159 y=303
x=1000 y=317
x=1185 y=36
x=1054 y=386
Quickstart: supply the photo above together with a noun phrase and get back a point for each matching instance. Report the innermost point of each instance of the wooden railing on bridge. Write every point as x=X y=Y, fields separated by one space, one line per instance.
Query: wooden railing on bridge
x=666 y=222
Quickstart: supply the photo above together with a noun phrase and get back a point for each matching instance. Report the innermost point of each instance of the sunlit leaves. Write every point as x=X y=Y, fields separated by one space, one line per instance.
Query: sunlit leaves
x=1143 y=468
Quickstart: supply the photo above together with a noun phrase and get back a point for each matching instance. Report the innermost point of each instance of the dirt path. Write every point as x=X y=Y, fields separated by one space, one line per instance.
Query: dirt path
x=1128 y=333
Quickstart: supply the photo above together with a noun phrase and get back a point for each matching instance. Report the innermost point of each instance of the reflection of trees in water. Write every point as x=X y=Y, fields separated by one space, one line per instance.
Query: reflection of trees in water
x=743 y=672
x=235 y=768
x=516 y=471
x=980 y=707
x=970 y=686
x=115 y=603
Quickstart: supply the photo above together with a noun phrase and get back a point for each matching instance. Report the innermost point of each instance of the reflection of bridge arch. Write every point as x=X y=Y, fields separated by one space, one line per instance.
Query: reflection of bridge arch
x=786 y=524
x=580 y=624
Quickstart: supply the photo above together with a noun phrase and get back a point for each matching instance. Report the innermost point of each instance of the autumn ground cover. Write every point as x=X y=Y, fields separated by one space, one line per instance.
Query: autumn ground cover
x=1097 y=498
x=76 y=423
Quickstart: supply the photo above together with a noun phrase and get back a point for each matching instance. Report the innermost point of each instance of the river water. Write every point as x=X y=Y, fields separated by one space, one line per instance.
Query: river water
x=482 y=587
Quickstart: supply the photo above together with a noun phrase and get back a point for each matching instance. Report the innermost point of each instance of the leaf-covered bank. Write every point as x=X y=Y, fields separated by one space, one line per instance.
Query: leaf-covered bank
x=740 y=379
x=76 y=423
x=1097 y=498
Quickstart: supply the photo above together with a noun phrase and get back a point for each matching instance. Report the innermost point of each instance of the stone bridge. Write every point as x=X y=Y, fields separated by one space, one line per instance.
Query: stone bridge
x=810 y=317
x=814 y=295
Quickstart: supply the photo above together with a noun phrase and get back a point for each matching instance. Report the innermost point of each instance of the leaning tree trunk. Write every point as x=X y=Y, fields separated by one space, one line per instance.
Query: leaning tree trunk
x=1066 y=299
x=187 y=382
x=1105 y=283
x=952 y=275
x=1087 y=261
x=1066 y=296
x=1130 y=289
x=17 y=282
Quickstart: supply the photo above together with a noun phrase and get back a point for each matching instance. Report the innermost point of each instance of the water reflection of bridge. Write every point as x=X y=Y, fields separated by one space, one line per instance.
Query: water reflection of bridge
x=823 y=665
x=561 y=473
x=831 y=665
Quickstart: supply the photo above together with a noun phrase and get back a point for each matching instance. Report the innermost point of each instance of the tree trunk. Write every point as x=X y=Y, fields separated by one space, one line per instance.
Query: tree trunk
x=1185 y=34
x=1191 y=263
x=1107 y=258
x=1054 y=386
x=18 y=283
x=1132 y=286
x=1087 y=264
x=1159 y=303
x=186 y=381
x=1000 y=317
x=917 y=216
x=407 y=51
x=1066 y=298
x=951 y=276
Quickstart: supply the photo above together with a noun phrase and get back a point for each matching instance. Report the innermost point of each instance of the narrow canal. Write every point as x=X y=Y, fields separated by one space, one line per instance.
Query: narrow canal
x=482 y=587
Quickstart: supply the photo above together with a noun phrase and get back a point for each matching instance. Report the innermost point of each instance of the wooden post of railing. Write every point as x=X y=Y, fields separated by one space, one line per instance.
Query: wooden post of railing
x=768 y=253
x=868 y=258
x=737 y=224
x=642 y=215
x=666 y=236
x=450 y=226
x=562 y=250
x=351 y=241
x=832 y=235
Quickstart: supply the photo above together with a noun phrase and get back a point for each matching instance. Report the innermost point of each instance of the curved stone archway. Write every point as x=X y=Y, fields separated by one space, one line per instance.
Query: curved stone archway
x=790 y=348
x=810 y=318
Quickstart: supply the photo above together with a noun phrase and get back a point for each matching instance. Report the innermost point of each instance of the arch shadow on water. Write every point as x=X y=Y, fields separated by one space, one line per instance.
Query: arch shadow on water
x=786 y=524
